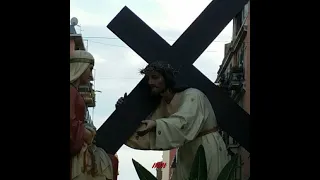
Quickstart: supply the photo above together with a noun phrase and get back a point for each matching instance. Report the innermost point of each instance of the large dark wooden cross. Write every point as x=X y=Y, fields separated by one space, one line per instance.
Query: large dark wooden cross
x=182 y=54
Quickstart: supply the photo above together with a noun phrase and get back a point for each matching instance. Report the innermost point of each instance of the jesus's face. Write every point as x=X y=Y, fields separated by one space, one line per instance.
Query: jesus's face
x=156 y=82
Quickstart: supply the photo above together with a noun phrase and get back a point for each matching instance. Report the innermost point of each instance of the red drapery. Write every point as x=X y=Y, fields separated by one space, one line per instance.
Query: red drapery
x=115 y=164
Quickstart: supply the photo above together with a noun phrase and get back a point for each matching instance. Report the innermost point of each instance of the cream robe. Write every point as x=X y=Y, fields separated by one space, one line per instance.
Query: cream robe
x=178 y=125
x=104 y=165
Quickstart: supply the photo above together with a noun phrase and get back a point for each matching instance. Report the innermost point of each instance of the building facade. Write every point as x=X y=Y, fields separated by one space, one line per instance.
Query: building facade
x=159 y=173
x=165 y=171
x=172 y=162
x=76 y=41
x=234 y=78
x=168 y=157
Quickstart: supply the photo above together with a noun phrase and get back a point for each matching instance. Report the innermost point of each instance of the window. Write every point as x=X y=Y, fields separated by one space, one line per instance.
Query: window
x=240 y=56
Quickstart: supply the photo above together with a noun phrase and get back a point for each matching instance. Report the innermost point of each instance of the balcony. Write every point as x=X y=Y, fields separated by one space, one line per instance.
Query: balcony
x=236 y=78
x=234 y=47
x=88 y=95
x=88 y=99
x=232 y=82
x=231 y=144
x=223 y=82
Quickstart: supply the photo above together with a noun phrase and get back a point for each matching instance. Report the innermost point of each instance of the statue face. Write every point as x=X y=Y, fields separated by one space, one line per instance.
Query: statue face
x=156 y=82
x=86 y=77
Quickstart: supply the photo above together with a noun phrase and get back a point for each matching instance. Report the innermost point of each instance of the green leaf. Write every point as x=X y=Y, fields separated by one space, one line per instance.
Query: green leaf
x=199 y=166
x=229 y=169
x=142 y=172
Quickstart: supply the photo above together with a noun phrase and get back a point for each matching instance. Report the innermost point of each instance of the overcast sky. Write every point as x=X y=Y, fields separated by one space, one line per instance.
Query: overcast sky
x=117 y=66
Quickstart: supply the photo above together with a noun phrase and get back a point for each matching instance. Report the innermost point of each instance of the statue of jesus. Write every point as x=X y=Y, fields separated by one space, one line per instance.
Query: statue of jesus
x=184 y=119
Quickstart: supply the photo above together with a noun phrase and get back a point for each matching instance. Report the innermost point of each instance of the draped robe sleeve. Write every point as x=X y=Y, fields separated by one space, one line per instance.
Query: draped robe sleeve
x=76 y=121
x=179 y=128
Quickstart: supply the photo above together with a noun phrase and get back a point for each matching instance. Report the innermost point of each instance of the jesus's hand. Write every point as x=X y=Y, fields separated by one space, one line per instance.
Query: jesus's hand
x=150 y=126
x=121 y=100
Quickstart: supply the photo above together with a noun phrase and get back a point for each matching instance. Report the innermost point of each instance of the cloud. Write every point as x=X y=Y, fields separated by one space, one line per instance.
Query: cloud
x=179 y=14
x=86 y=18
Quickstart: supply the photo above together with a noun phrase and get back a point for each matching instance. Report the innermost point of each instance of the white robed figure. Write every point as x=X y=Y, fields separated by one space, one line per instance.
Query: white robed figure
x=184 y=119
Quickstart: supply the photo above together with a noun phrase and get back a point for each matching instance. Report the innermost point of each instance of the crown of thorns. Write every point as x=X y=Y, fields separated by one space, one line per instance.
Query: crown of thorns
x=161 y=67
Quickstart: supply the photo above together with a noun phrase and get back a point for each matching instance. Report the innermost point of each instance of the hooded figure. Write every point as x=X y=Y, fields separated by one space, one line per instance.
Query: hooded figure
x=87 y=160
x=80 y=61
x=183 y=120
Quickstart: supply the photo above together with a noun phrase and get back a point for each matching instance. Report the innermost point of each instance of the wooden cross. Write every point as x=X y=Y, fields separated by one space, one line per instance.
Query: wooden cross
x=182 y=54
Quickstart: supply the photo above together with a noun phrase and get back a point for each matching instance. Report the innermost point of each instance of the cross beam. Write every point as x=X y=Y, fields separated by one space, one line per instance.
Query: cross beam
x=183 y=53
